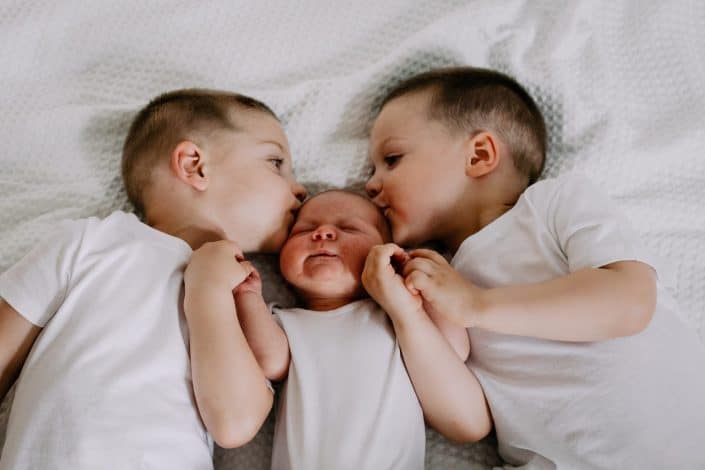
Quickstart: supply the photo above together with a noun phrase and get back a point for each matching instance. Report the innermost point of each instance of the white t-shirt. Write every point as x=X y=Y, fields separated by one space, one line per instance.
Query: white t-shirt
x=628 y=403
x=348 y=402
x=107 y=384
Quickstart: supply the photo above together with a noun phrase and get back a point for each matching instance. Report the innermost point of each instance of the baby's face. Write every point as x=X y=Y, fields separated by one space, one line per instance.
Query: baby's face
x=419 y=170
x=252 y=193
x=326 y=250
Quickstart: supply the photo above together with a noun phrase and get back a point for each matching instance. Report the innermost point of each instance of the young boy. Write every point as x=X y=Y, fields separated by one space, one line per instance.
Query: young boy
x=348 y=401
x=93 y=315
x=582 y=363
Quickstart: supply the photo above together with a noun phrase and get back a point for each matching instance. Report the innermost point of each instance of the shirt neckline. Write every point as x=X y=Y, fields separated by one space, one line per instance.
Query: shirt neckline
x=161 y=238
x=486 y=234
x=342 y=310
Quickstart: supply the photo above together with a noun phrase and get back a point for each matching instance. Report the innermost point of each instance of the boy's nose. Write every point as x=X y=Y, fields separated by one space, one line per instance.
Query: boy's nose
x=373 y=187
x=299 y=191
x=324 y=232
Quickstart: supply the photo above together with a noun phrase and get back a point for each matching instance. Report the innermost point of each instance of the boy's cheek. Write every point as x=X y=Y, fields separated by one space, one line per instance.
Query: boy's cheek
x=275 y=243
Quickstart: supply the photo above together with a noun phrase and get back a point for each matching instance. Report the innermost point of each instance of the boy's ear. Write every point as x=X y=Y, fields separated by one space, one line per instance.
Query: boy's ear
x=482 y=155
x=188 y=165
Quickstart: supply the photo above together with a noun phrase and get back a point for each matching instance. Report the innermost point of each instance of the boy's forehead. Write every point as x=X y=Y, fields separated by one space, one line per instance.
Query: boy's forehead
x=398 y=114
x=414 y=103
x=261 y=126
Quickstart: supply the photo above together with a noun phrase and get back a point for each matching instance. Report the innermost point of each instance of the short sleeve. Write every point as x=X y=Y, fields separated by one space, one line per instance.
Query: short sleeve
x=37 y=285
x=589 y=228
x=275 y=308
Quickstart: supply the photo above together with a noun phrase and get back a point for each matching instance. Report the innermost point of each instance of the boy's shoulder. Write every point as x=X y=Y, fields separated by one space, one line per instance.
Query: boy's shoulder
x=122 y=227
x=557 y=184
x=116 y=218
x=115 y=229
x=568 y=188
x=115 y=223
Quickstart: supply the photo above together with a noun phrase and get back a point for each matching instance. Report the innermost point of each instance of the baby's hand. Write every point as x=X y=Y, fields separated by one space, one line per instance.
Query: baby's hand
x=384 y=284
x=444 y=291
x=253 y=282
x=220 y=264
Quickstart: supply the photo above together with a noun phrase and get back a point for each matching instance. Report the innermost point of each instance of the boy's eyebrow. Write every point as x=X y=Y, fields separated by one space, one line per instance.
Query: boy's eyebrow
x=387 y=140
x=372 y=149
x=273 y=142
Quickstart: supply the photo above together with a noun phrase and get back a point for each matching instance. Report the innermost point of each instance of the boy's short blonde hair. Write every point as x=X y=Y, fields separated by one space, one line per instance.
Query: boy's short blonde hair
x=475 y=99
x=169 y=119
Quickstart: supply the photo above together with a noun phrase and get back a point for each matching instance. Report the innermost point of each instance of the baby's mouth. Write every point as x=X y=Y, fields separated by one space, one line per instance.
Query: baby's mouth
x=323 y=254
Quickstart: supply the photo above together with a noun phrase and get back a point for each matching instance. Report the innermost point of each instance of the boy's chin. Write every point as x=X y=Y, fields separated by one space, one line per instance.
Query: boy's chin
x=273 y=244
x=402 y=237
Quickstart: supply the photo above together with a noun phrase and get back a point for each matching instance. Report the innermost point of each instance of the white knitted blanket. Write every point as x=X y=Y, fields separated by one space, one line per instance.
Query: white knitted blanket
x=620 y=83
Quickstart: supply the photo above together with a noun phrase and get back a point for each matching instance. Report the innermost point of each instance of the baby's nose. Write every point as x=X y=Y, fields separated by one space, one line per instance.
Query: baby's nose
x=324 y=232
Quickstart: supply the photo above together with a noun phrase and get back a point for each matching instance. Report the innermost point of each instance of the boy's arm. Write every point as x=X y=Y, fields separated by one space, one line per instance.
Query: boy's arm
x=265 y=337
x=230 y=388
x=456 y=335
x=17 y=336
x=451 y=397
x=36 y=287
x=591 y=304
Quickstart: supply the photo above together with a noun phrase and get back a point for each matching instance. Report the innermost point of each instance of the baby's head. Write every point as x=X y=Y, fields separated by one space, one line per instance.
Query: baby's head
x=206 y=164
x=325 y=253
x=451 y=149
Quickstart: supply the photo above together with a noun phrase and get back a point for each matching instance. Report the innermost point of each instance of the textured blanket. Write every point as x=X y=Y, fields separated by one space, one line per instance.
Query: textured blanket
x=620 y=84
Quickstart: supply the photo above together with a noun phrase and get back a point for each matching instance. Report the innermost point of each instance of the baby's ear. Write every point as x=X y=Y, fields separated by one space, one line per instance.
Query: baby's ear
x=188 y=165
x=482 y=152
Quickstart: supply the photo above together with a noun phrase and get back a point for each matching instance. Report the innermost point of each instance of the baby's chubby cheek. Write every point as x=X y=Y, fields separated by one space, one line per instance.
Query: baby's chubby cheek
x=290 y=260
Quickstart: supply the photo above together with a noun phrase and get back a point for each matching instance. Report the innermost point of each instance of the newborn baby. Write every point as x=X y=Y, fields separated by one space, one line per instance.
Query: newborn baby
x=348 y=401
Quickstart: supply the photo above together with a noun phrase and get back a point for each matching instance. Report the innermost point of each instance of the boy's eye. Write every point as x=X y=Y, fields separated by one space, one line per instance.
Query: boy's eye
x=391 y=160
x=277 y=162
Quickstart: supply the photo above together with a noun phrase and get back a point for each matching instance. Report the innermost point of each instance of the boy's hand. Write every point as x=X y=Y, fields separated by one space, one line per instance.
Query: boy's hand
x=251 y=284
x=444 y=291
x=219 y=264
x=384 y=284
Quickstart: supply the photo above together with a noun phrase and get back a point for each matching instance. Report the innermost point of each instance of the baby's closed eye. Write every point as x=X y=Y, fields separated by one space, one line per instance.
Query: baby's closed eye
x=299 y=230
